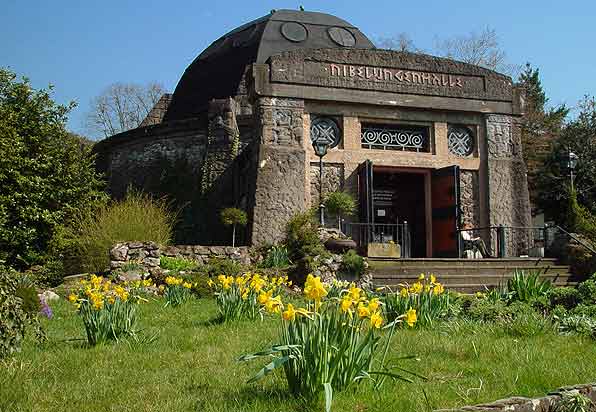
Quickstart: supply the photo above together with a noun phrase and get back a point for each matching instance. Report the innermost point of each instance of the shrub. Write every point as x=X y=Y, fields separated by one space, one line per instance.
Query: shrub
x=568 y=297
x=340 y=204
x=585 y=310
x=330 y=345
x=578 y=324
x=232 y=217
x=46 y=173
x=524 y=321
x=108 y=310
x=526 y=287
x=587 y=291
x=427 y=297
x=19 y=308
x=487 y=311
x=13 y=318
x=277 y=257
x=177 y=264
x=222 y=266
x=302 y=237
x=138 y=217
x=352 y=264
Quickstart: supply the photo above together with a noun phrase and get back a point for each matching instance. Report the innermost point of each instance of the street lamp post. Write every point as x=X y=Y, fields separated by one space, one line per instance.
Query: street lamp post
x=320 y=147
x=569 y=161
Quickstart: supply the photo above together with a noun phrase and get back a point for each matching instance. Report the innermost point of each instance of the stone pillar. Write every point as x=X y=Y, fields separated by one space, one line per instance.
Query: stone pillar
x=281 y=174
x=508 y=197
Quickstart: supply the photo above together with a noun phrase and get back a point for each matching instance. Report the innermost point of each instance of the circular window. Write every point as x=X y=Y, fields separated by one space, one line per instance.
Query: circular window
x=460 y=140
x=294 y=32
x=325 y=129
x=341 y=36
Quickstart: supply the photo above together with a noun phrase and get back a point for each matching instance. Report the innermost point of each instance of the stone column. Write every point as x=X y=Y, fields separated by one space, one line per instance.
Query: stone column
x=281 y=175
x=508 y=197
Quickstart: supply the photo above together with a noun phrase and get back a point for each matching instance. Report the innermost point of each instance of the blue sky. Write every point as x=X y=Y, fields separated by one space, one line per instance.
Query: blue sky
x=83 y=46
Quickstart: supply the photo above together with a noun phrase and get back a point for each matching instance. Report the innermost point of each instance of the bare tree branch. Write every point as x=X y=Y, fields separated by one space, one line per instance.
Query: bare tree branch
x=121 y=107
x=402 y=42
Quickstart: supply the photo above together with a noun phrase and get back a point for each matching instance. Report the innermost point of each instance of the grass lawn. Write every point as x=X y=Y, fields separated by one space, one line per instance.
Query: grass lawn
x=192 y=367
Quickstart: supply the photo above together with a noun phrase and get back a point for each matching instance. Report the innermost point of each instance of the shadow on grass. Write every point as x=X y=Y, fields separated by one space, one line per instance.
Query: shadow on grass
x=272 y=395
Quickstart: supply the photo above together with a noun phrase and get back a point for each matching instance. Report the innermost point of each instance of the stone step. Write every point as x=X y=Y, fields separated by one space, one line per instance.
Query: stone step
x=425 y=263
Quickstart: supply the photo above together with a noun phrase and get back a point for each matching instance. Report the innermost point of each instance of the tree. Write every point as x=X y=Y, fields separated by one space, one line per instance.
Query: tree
x=340 y=204
x=477 y=48
x=121 y=107
x=578 y=136
x=46 y=174
x=231 y=217
x=402 y=42
x=540 y=126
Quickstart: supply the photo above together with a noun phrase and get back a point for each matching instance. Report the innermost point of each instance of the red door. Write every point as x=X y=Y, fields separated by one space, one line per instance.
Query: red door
x=445 y=211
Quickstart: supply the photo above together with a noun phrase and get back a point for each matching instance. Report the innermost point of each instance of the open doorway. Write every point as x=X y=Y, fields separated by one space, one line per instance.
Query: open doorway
x=400 y=197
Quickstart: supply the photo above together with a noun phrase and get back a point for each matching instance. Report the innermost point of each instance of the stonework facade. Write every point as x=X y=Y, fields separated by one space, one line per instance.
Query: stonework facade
x=441 y=137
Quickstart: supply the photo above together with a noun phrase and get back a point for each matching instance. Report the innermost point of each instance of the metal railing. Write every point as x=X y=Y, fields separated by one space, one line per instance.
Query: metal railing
x=518 y=241
x=365 y=233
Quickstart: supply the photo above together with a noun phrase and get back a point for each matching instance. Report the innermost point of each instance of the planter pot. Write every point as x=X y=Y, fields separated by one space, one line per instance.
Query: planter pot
x=340 y=245
x=384 y=250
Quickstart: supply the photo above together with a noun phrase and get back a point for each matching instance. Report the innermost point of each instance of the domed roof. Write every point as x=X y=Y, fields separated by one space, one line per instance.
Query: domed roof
x=218 y=71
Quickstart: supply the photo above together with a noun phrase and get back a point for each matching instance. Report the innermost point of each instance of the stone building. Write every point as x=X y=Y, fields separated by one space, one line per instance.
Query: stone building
x=415 y=138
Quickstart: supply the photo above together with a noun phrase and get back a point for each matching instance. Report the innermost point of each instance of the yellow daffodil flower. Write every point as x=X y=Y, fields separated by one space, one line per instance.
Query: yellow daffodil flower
x=376 y=320
x=363 y=311
x=289 y=314
x=374 y=304
x=411 y=317
x=314 y=288
x=433 y=279
x=345 y=304
x=416 y=288
x=421 y=276
x=404 y=292
x=438 y=289
x=72 y=298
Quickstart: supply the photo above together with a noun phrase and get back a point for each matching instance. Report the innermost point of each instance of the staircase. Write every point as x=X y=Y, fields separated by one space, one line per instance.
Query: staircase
x=465 y=275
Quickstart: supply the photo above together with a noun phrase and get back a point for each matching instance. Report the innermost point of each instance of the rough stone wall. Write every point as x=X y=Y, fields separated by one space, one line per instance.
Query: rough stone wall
x=279 y=192
x=153 y=158
x=148 y=254
x=509 y=201
x=333 y=180
x=155 y=116
x=470 y=197
x=521 y=404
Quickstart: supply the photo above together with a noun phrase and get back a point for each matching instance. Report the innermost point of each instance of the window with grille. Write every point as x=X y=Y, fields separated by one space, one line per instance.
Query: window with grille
x=412 y=138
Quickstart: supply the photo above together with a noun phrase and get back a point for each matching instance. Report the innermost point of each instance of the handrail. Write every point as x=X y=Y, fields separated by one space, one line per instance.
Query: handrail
x=578 y=240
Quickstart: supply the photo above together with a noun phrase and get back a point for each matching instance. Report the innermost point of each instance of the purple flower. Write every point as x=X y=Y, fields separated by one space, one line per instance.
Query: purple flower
x=45 y=310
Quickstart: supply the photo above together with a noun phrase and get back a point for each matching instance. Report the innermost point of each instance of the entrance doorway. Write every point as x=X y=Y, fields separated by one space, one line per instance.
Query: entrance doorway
x=399 y=198
x=423 y=202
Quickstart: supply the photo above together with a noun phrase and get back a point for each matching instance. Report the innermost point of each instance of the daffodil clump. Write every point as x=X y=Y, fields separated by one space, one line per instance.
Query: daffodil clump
x=248 y=295
x=427 y=296
x=176 y=291
x=108 y=309
x=329 y=344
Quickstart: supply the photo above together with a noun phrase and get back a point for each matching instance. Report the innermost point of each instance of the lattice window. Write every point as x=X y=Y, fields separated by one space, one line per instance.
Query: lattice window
x=460 y=140
x=395 y=137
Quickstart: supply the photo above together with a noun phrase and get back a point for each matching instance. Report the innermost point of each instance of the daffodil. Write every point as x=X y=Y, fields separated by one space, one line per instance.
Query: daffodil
x=404 y=292
x=273 y=305
x=411 y=317
x=438 y=289
x=433 y=279
x=374 y=304
x=290 y=313
x=314 y=288
x=345 y=304
x=264 y=297
x=416 y=287
x=421 y=276
x=376 y=320
x=363 y=311
x=72 y=298
x=354 y=292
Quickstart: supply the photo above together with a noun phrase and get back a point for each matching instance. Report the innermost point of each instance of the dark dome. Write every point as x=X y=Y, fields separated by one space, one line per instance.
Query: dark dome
x=219 y=69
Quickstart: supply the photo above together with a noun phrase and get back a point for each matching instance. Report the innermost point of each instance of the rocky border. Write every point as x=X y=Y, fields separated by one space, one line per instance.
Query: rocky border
x=148 y=254
x=523 y=404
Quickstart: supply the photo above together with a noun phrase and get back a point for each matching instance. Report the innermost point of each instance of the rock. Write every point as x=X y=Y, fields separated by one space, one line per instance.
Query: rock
x=151 y=261
x=119 y=252
x=326 y=233
x=170 y=251
x=49 y=296
x=130 y=276
x=135 y=245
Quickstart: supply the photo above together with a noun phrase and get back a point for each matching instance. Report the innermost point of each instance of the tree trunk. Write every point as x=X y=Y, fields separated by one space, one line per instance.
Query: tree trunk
x=233 y=235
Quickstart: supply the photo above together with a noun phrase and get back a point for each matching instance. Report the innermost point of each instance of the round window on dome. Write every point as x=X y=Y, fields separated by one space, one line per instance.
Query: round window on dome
x=342 y=36
x=294 y=32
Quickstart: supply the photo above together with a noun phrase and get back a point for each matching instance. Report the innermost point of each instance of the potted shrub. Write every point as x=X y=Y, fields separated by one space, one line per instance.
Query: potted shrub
x=232 y=216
